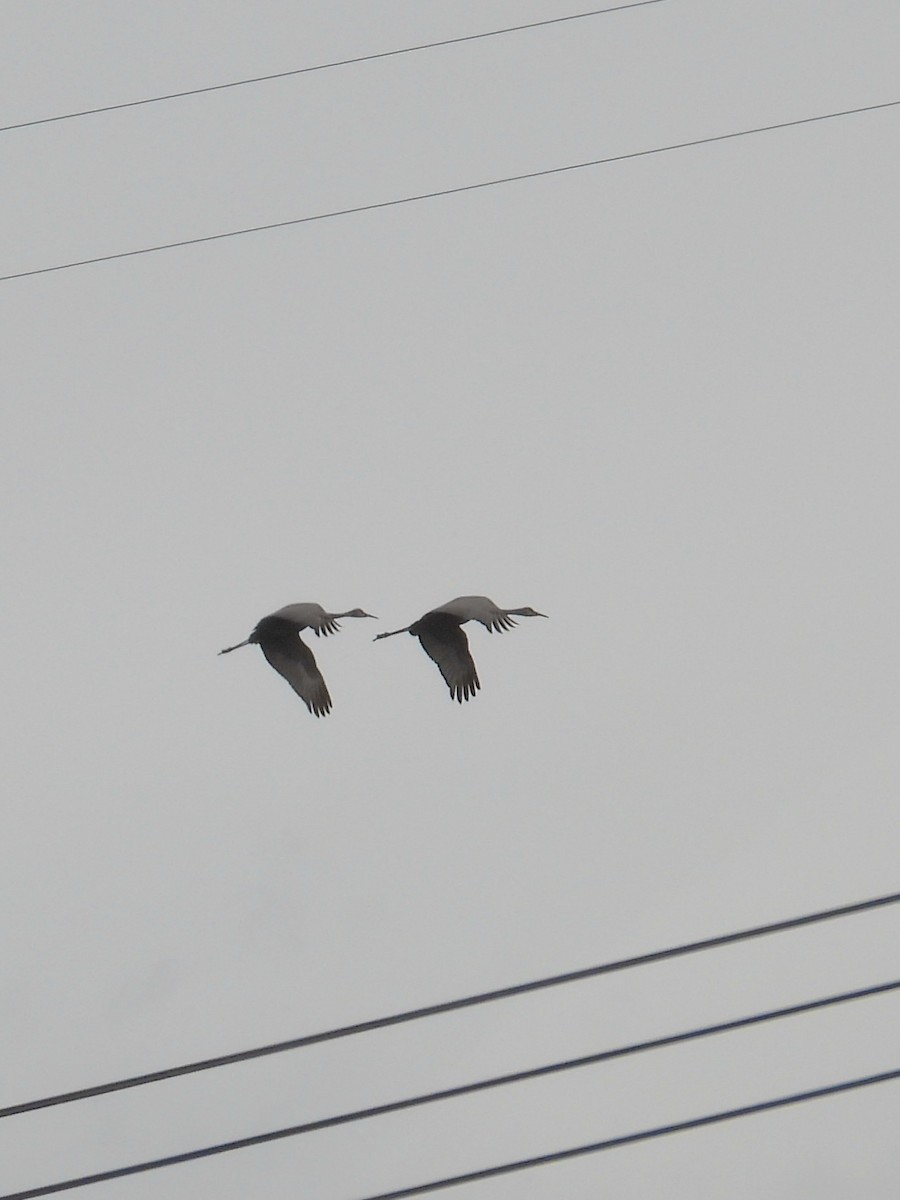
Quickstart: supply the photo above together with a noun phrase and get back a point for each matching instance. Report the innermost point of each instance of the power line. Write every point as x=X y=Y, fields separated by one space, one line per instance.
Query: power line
x=453 y=191
x=456 y=1092
x=447 y=1006
x=344 y=62
x=627 y=1139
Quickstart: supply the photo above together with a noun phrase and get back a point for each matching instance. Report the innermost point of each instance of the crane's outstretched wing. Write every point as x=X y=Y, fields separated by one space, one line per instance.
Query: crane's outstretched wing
x=445 y=643
x=308 y=616
x=294 y=660
x=498 y=622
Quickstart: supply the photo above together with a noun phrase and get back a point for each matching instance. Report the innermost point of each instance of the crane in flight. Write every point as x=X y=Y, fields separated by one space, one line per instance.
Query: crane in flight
x=442 y=638
x=278 y=636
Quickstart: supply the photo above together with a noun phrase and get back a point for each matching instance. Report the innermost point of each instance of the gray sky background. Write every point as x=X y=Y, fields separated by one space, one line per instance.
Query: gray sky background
x=656 y=400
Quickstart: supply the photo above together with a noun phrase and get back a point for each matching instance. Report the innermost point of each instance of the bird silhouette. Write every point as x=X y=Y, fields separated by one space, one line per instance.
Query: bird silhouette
x=278 y=636
x=440 y=632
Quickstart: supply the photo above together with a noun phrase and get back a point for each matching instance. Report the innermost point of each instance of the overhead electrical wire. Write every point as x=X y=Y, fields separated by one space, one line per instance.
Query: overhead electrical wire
x=461 y=1090
x=343 y=62
x=627 y=1139
x=453 y=191
x=448 y=1006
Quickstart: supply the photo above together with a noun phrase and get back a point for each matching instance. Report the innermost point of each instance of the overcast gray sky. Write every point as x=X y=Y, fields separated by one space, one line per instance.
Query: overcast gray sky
x=656 y=400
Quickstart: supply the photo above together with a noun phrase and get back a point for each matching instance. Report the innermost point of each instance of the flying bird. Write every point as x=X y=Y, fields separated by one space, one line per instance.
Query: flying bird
x=278 y=636
x=442 y=638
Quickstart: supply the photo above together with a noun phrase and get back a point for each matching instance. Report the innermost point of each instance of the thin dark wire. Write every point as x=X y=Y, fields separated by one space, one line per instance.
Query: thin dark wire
x=447 y=1006
x=453 y=191
x=465 y=1089
x=627 y=1139
x=344 y=62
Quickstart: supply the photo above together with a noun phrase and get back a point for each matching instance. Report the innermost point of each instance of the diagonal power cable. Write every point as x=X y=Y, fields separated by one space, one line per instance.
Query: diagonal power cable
x=452 y=191
x=465 y=1089
x=447 y=1006
x=627 y=1139
x=343 y=62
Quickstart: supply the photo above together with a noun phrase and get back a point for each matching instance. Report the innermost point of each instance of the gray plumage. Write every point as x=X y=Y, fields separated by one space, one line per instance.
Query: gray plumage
x=278 y=636
x=443 y=640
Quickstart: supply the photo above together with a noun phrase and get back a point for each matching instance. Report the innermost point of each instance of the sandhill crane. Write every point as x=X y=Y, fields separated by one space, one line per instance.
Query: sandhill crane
x=444 y=642
x=278 y=636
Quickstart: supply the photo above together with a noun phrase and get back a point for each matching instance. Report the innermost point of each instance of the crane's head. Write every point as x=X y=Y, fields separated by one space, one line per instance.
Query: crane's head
x=358 y=612
x=527 y=612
